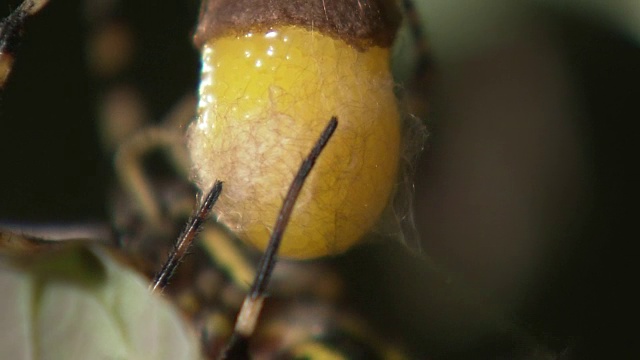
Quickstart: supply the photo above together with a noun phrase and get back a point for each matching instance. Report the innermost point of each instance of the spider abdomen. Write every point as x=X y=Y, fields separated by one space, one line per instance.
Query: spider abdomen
x=264 y=98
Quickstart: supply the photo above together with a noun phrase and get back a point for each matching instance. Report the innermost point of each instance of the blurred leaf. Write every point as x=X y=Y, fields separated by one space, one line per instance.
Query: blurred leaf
x=76 y=303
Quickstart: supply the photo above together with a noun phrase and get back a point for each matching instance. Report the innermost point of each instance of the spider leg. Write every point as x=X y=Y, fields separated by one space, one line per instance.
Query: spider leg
x=130 y=154
x=250 y=311
x=186 y=238
x=424 y=62
x=11 y=29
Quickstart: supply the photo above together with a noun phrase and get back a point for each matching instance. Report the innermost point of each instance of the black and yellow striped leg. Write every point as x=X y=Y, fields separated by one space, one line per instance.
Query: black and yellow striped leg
x=424 y=60
x=418 y=88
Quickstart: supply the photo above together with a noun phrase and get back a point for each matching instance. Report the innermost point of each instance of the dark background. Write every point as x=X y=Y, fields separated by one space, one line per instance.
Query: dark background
x=525 y=193
x=53 y=166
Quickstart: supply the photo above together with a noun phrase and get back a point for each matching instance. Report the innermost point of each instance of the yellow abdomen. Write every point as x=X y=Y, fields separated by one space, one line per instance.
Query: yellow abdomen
x=264 y=100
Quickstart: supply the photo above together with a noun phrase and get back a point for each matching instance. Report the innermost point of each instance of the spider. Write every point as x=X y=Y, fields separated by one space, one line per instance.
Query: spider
x=392 y=137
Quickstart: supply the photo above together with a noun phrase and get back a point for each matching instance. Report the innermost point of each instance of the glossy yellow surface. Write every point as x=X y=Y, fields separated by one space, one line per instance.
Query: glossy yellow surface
x=264 y=100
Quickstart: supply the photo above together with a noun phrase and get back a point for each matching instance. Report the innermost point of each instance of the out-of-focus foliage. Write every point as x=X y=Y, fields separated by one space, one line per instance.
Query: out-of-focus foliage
x=524 y=192
x=77 y=303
